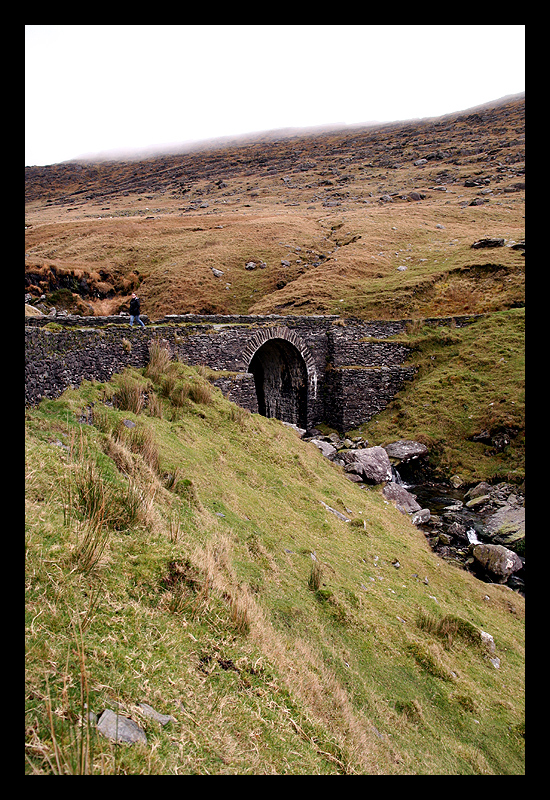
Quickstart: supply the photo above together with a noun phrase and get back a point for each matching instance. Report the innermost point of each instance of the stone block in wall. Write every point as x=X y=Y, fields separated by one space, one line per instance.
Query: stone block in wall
x=354 y=395
x=239 y=389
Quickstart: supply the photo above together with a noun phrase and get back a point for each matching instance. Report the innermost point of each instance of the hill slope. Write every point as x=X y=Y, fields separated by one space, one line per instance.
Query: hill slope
x=373 y=222
x=181 y=554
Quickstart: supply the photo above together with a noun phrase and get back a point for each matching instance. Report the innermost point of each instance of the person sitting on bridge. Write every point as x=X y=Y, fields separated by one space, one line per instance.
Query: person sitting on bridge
x=134 y=310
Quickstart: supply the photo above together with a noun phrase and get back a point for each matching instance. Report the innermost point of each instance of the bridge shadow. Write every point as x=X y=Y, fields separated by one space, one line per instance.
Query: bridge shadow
x=281 y=380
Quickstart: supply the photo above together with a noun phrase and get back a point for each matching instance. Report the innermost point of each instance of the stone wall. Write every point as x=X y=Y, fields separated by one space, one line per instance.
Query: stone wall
x=315 y=369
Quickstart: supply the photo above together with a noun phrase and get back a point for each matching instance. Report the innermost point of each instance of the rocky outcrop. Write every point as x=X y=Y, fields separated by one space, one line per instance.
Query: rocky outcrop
x=372 y=465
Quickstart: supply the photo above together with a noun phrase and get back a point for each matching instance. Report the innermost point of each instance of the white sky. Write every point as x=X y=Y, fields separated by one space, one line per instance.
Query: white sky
x=92 y=89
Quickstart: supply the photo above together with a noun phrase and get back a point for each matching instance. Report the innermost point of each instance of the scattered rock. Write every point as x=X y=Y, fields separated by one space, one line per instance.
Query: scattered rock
x=480 y=500
x=405 y=450
x=217 y=273
x=326 y=448
x=488 y=243
x=507 y=526
x=421 y=517
x=120 y=729
x=478 y=490
x=149 y=711
x=488 y=641
x=336 y=513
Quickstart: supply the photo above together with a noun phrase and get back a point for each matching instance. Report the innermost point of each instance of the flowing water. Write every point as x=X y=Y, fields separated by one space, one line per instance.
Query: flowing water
x=451 y=516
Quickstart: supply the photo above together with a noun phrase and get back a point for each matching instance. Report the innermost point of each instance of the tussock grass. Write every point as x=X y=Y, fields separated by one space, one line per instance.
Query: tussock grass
x=160 y=358
x=449 y=628
x=129 y=395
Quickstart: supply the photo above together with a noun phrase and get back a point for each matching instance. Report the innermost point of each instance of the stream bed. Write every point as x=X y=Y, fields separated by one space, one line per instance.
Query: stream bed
x=454 y=527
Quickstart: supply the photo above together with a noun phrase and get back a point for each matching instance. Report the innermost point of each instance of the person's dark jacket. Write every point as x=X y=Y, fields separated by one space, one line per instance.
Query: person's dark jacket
x=134 y=307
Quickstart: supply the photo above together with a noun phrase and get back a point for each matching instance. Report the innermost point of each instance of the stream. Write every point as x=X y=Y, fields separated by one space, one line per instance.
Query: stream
x=453 y=527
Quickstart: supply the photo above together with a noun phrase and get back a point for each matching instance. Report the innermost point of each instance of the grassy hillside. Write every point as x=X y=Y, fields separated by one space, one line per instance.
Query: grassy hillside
x=469 y=388
x=190 y=562
x=373 y=222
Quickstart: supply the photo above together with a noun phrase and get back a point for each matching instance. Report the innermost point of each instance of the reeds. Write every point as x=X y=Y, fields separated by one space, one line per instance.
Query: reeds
x=94 y=506
x=160 y=358
x=129 y=395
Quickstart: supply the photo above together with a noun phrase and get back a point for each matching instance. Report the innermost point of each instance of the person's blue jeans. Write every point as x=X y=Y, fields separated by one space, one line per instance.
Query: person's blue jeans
x=132 y=318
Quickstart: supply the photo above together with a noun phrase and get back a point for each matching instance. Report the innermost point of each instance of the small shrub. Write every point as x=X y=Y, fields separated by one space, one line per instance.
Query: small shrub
x=167 y=383
x=186 y=490
x=90 y=545
x=154 y=406
x=142 y=441
x=239 y=614
x=101 y=418
x=466 y=702
x=449 y=628
x=429 y=661
x=239 y=415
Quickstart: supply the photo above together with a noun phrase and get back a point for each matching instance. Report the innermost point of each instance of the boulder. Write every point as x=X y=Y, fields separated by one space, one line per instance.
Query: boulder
x=488 y=242
x=371 y=463
x=499 y=562
x=326 y=448
x=405 y=450
x=403 y=500
x=479 y=490
x=421 y=517
x=507 y=526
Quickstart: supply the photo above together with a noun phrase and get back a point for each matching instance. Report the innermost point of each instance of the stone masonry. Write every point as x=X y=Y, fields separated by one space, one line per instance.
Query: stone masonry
x=303 y=370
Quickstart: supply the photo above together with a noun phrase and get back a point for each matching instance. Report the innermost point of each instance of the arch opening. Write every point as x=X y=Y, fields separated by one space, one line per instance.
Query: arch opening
x=281 y=381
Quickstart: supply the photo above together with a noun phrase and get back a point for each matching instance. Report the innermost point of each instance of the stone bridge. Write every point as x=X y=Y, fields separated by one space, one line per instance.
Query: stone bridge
x=302 y=370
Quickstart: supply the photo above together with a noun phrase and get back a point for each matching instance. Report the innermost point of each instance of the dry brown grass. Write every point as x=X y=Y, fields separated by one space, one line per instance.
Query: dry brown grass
x=263 y=206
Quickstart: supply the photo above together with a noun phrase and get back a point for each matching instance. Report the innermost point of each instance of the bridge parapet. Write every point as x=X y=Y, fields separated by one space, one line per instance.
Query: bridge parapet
x=307 y=369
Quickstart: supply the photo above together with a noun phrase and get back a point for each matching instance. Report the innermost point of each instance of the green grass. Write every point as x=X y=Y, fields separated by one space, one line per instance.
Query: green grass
x=469 y=380
x=199 y=598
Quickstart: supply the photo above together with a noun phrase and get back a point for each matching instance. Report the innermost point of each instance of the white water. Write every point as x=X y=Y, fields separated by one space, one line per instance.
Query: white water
x=472 y=536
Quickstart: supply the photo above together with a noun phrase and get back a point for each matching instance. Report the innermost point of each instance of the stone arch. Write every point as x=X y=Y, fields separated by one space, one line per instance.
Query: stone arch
x=284 y=373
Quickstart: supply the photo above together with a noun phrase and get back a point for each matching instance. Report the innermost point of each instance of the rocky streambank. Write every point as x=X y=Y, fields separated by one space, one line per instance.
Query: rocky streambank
x=480 y=527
